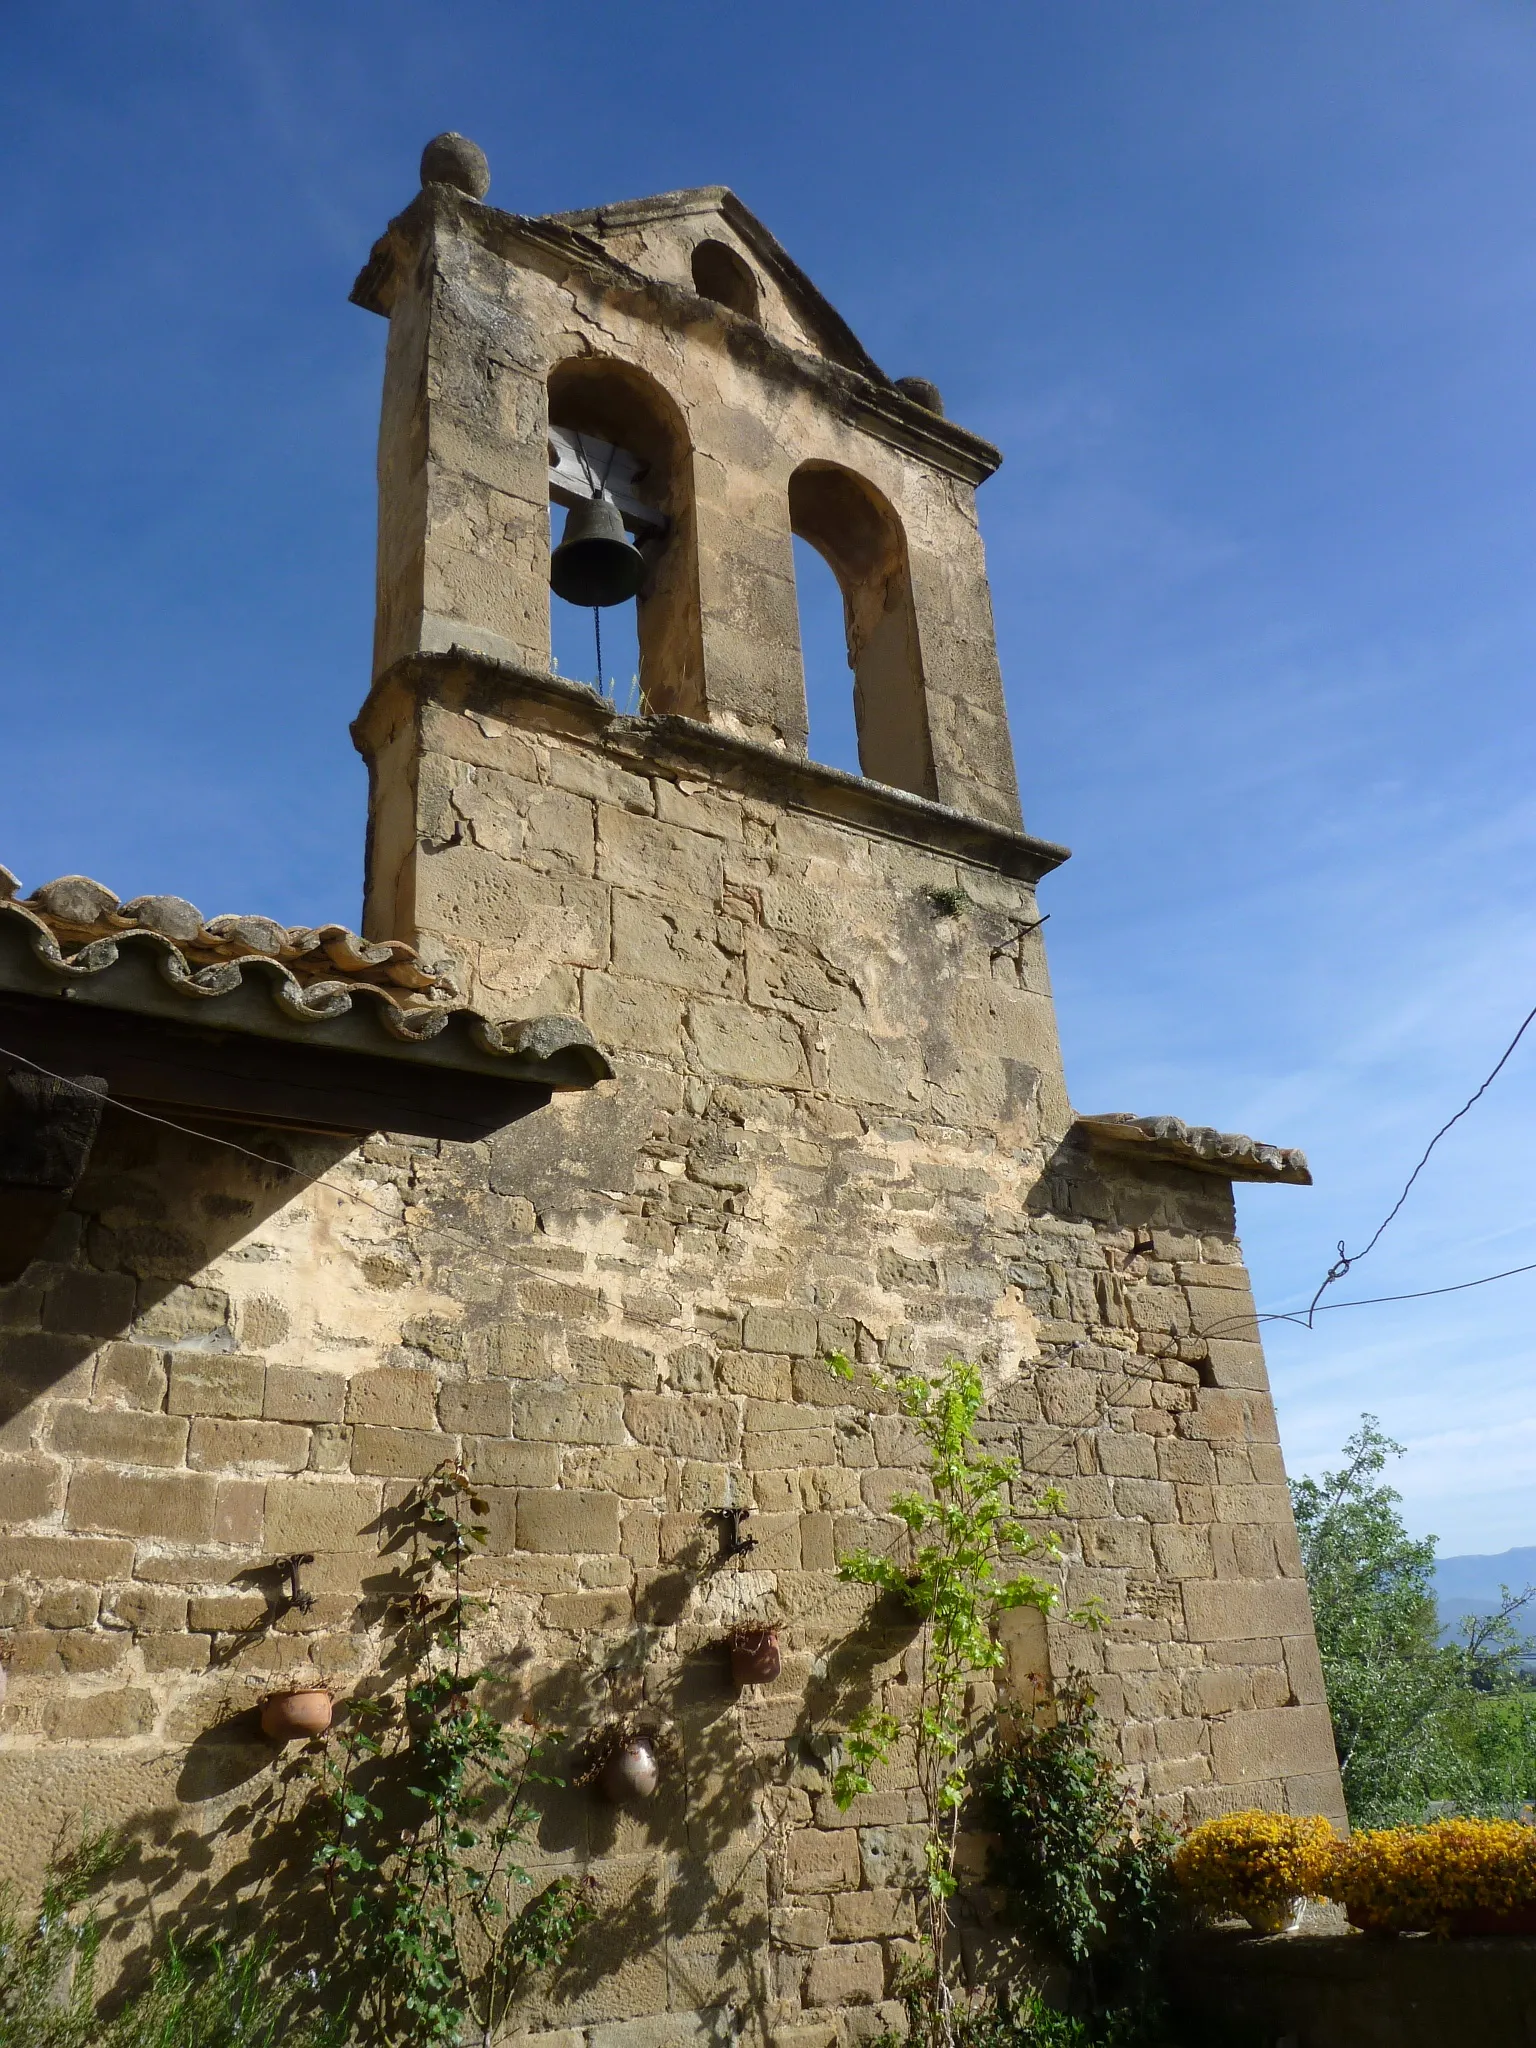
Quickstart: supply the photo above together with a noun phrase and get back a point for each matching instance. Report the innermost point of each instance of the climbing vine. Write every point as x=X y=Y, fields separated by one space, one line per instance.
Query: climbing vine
x=958 y=1566
x=1087 y=1871
x=424 y=1808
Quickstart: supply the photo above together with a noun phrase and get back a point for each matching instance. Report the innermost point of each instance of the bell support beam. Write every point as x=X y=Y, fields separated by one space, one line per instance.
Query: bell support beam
x=577 y=459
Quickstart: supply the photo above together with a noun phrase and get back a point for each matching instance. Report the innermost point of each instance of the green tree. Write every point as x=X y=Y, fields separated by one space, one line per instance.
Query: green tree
x=1415 y=1721
x=1389 y=1680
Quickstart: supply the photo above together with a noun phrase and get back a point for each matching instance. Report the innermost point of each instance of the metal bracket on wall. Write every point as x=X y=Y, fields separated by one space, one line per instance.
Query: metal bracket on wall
x=732 y=1542
x=297 y=1596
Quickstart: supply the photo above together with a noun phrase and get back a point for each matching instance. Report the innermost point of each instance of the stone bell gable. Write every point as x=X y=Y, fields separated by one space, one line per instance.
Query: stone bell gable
x=707 y=242
x=748 y=430
x=667 y=1061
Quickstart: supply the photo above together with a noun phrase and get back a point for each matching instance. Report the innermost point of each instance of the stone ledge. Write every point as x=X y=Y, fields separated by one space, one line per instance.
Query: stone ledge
x=472 y=681
x=1227 y=1153
x=1349 y=1991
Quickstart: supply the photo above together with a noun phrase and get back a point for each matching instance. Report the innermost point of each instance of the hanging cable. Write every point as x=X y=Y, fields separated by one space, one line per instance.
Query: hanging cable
x=1345 y=1260
x=1301 y=1318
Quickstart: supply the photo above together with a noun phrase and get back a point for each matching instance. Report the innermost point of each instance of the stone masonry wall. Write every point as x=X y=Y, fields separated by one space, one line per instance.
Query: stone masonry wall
x=839 y=1121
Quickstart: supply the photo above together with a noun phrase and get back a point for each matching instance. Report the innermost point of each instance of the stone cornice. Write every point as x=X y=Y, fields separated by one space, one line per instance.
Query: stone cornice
x=869 y=401
x=524 y=697
x=1229 y=1154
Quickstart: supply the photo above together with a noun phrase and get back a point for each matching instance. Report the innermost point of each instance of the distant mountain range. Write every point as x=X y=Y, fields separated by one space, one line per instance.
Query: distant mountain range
x=1470 y=1585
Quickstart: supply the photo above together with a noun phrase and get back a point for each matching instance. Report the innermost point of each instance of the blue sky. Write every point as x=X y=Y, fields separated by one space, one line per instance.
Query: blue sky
x=1247 y=294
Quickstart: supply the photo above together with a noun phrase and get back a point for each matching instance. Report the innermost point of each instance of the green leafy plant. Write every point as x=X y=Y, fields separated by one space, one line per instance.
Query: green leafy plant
x=1088 y=1874
x=48 y=1958
x=957 y=1566
x=1416 y=1723
x=1022 y=2019
x=216 y=1997
x=205 y=1997
x=424 y=1811
x=949 y=901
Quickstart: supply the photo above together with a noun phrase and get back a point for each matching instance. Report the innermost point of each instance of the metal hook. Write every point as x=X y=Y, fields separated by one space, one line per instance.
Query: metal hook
x=297 y=1597
x=732 y=1542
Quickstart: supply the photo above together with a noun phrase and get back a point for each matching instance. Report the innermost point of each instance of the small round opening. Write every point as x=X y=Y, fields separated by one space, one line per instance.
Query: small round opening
x=720 y=274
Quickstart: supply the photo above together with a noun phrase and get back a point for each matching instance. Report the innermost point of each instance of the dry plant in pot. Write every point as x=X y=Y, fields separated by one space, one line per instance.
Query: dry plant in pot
x=756 y=1658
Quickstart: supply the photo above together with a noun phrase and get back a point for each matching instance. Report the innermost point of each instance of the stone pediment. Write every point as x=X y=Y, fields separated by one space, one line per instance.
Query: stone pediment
x=660 y=236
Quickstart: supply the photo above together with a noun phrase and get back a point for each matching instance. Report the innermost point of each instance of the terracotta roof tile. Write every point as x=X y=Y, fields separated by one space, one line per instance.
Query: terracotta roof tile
x=75 y=930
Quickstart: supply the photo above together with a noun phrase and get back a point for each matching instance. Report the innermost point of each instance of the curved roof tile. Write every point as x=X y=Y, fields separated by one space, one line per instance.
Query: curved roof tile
x=77 y=931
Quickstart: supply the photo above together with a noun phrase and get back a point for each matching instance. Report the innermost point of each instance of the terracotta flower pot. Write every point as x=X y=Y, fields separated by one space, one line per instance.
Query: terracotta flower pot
x=1475 y=1920
x=1368 y=1923
x=296 y=1716
x=630 y=1772
x=755 y=1656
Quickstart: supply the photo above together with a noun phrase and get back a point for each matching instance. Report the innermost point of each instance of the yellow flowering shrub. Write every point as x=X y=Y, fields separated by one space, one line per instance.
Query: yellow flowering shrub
x=1254 y=1863
x=1425 y=1880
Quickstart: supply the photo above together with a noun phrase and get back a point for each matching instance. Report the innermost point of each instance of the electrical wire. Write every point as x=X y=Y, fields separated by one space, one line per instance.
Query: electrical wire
x=207 y=1137
x=1345 y=1260
x=1301 y=1318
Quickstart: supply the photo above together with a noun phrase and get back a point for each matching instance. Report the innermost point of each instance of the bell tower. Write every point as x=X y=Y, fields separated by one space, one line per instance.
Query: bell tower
x=668 y=356
x=838 y=1118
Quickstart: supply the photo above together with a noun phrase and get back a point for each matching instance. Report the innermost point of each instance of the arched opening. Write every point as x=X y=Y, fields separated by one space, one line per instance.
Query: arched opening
x=833 y=736
x=621 y=420
x=856 y=531
x=720 y=274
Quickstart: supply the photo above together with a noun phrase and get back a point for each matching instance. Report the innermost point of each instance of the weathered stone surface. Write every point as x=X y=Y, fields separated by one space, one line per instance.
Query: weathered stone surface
x=569 y=1414
x=1273 y=1743
x=816 y=1862
x=747 y=1045
x=217 y=1446
x=1219 y=1610
x=177 y=1506
x=321 y=1514
x=213 y=1383
x=395 y=1398
x=294 y=1394
x=849 y=1973
x=568 y=1521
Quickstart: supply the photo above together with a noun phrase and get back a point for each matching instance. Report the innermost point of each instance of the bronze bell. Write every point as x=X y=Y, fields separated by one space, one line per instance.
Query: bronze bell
x=596 y=562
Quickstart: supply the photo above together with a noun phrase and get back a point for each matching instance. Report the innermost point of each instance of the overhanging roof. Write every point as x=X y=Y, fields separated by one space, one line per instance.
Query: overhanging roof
x=247 y=1018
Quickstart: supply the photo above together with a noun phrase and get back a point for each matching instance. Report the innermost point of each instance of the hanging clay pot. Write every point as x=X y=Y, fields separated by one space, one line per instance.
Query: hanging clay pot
x=755 y=1656
x=630 y=1772
x=296 y=1716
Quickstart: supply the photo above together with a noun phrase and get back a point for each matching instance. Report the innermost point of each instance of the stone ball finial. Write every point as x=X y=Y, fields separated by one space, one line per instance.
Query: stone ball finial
x=454 y=160
x=923 y=393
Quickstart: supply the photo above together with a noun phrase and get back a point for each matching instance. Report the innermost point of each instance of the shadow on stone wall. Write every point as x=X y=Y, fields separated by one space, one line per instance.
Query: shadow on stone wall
x=154 y=1208
x=1144 y=1194
x=686 y=1881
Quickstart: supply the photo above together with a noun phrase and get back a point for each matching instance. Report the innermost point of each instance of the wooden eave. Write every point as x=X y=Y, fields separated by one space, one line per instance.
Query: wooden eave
x=245 y=1041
